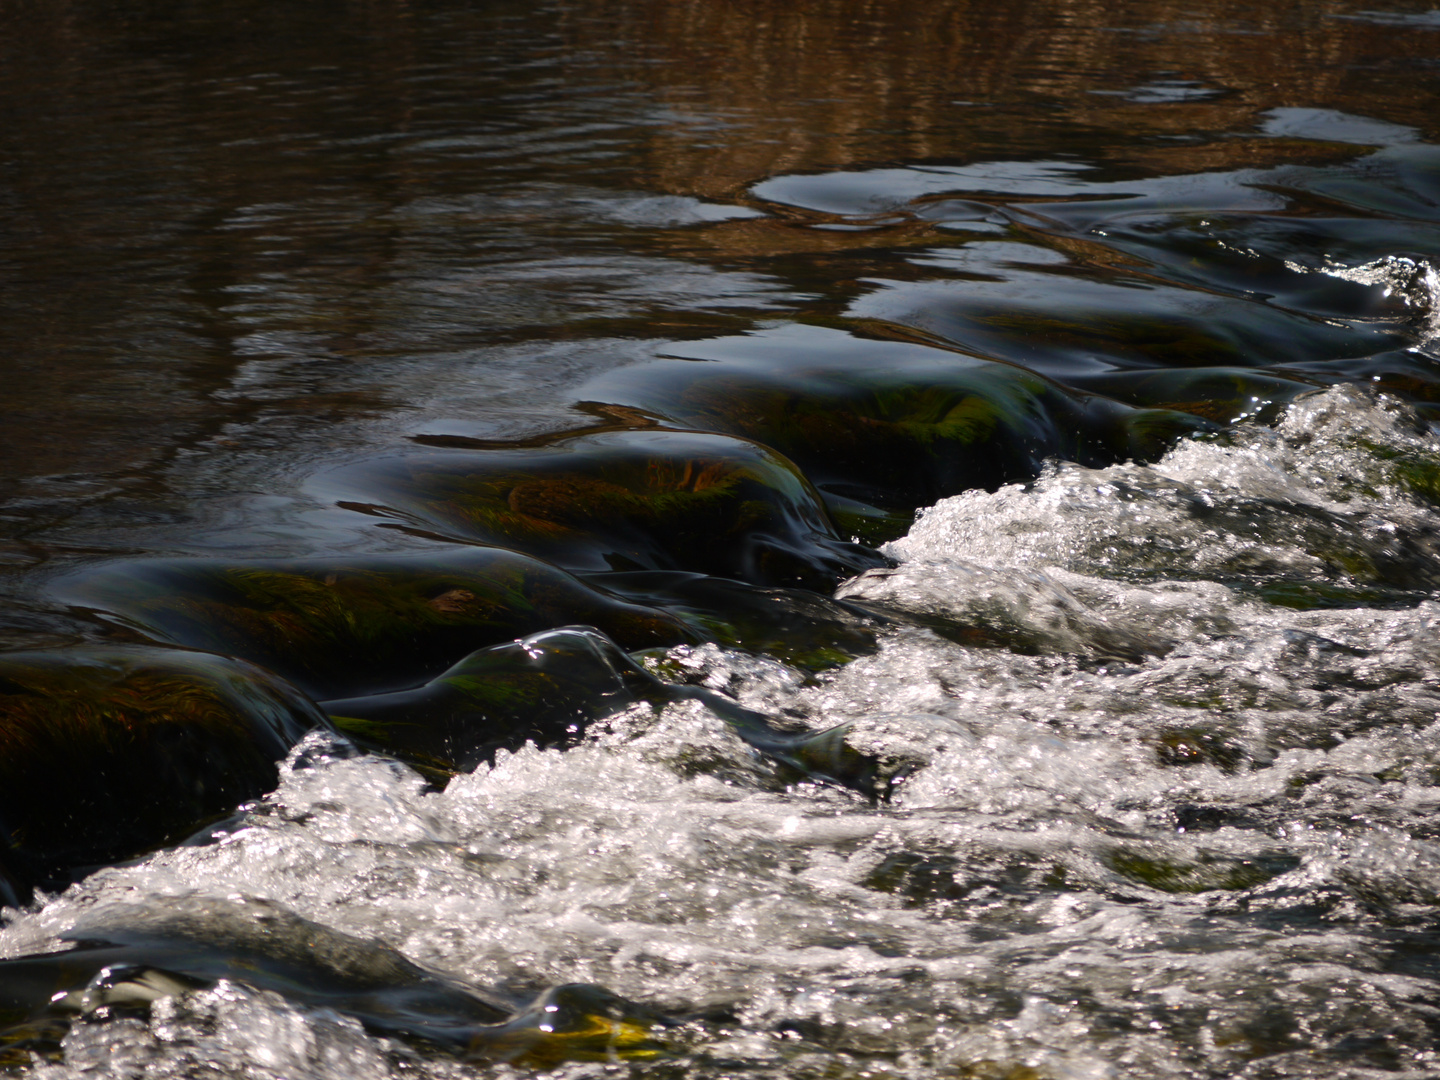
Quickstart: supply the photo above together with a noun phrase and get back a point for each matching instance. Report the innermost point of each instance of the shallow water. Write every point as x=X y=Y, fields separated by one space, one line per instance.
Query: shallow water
x=1117 y=332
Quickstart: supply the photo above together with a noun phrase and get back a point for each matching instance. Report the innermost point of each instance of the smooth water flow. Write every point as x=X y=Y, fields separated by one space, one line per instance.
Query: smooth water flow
x=817 y=540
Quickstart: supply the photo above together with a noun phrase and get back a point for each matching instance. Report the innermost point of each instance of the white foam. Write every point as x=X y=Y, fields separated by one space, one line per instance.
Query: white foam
x=1114 y=761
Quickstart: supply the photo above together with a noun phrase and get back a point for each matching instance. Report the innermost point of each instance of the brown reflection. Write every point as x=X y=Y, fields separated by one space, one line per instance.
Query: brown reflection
x=814 y=85
x=131 y=133
x=219 y=221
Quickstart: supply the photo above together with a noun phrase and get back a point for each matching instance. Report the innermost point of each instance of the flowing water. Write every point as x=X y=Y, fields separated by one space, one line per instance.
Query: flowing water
x=1107 y=337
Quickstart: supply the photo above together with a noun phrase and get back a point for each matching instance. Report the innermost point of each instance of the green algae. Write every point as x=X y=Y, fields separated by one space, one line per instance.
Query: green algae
x=342 y=626
x=618 y=500
x=1203 y=874
x=880 y=440
x=548 y=688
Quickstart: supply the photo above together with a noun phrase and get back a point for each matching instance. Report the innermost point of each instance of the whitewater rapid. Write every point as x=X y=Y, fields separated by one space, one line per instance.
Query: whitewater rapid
x=1153 y=812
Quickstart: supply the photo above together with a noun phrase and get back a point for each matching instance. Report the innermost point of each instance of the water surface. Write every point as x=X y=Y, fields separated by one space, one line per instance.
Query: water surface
x=1158 y=737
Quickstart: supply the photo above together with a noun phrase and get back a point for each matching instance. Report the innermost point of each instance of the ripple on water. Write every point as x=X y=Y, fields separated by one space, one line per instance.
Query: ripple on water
x=1126 y=767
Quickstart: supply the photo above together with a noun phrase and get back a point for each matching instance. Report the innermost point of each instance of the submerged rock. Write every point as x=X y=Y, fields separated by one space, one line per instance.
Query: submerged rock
x=1409 y=374
x=548 y=688
x=879 y=440
x=545 y=688
x=802 y=629
x=123 y=962
x=108 y=752
x=344 y=626
x=625 y=500
x=1224 y=395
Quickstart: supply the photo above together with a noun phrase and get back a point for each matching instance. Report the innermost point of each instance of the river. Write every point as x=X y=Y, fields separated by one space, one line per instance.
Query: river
x=1041 y=399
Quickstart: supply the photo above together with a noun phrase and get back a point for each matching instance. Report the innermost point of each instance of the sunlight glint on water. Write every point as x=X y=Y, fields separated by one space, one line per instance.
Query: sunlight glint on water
x=1162 y=861
x=1161 y=740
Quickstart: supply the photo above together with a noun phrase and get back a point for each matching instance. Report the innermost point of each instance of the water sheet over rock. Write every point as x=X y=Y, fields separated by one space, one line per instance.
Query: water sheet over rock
x=122 y=963
x=546 y=689
x=108 y=752
x=883 y=427
x=622 y=500
x=343 y=626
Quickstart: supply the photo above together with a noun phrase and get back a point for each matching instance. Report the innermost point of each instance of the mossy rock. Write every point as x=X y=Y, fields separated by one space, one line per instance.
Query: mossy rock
x=1199 y=746
x=827 y=755
x=122 y=964
x=1202 y=873
x=921 y=878
x=109 y=752
x=338 y=626
x=1409 y=375
x=881 y=440
x=806 y=631
x=546 y=688
x=623 y=500
x=1222 y=395
x=576 y=1022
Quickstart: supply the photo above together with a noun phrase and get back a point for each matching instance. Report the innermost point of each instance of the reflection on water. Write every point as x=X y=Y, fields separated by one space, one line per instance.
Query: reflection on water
x=1134 y=305
x=252 y=226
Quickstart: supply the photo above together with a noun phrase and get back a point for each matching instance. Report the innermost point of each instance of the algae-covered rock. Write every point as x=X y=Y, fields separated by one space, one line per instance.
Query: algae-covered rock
x=345 y=626
x=826 y=755
x=130 y=957
x=625 y=500
x=1199 y=745
x=575 y=1022
x=545 y=688
x=802 y=629
x=1201 y=871
x=1220 y=394
x=879 y=440
x=107 y=752
x=1409 y=374
x=548 y=688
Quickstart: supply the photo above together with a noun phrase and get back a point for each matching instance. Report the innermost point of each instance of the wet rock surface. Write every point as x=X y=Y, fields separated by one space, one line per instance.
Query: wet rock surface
x=882 y=431
x=901 y=537
x=106 y=753
x=118 y=966
x=546 y=689
x=345 y=625
x=623 y=501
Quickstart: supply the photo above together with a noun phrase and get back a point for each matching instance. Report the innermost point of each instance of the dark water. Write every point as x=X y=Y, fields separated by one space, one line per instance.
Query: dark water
x=371 y=343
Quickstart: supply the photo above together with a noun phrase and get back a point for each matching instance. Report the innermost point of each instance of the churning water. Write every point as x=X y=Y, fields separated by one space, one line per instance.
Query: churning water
x=1152 y=821
x=1147 y=678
